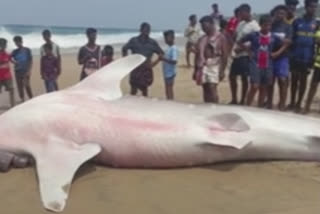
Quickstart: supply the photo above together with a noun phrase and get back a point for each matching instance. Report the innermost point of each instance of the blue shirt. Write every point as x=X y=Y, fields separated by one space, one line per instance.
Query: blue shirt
x=283 y=31
x=169 y=70
x=303 y=40
x=254 y=38
x=23 y=59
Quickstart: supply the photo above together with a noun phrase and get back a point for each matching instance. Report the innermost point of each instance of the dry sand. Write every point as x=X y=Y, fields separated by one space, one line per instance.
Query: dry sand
x=238 y=188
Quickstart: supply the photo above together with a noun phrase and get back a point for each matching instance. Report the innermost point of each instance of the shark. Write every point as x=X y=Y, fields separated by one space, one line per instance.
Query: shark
x=94 y=121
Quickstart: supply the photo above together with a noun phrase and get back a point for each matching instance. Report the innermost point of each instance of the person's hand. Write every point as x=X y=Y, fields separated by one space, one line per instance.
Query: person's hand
x=274 y=55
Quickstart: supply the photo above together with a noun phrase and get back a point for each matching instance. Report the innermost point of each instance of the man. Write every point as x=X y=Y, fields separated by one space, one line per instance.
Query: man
x=90 y=55
x=142 y=77
x=302 y=53
x=241 y=62
x=291 y=10
x=217 y=16
x=212 y=59
x=192 y=33
x=46 y=34
x=22 y=59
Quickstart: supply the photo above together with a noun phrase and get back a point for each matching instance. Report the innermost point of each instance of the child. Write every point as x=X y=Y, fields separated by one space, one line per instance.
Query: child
x=50 y=69
x=107 y=55
x=170 y=63
x=281 y=59
x=262 y=44
x=5 y=74
x=210 y=74
x=22 y=59
x=316 y=75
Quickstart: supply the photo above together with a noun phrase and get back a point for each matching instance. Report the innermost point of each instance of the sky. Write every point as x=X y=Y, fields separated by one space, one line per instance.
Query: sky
x=161 y=14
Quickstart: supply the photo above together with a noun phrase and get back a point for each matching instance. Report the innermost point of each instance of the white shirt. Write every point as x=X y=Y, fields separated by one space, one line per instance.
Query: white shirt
x=245 y=28
x=55 y=50
x=193 y=33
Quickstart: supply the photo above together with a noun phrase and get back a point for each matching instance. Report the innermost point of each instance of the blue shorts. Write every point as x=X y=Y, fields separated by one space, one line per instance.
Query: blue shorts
x=261 y=76
x=281 y=67
x=169 y=80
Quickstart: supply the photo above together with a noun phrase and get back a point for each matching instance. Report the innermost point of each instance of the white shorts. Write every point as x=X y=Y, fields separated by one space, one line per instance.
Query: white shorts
x=210 y=76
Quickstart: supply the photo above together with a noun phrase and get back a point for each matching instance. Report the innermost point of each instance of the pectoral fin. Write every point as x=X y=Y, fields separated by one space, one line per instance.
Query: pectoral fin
x=56 y=167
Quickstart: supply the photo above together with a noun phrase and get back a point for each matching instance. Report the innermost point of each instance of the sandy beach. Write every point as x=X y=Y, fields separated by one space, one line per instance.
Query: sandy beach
x=233 y=188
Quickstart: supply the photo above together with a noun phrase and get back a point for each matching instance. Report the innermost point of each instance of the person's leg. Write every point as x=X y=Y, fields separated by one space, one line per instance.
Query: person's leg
x=283 y=91
x=10 y=89
x=188 y=53
x=270 y=93
x=134 y=90
x=252 y=93
x=144 y=91
x=233 y=83
x=169 y=88
x=20 y=86
x=294 y=87
x=214 y=92
x=27 y=86
x=312 y=90
x=262 y=95
x=245 y=87
x=302 y=89
x=206 y=95
x=245 y=68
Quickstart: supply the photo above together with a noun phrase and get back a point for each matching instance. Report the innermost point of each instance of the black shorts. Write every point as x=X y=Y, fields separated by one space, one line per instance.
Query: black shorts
x=240 y=66
x=302 y=67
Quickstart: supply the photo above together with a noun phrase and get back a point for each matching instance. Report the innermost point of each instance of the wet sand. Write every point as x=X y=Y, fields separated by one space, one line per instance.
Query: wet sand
x=233 y=188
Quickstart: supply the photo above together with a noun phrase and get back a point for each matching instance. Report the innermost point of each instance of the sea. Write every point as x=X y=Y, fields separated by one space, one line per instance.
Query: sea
x=68 y=38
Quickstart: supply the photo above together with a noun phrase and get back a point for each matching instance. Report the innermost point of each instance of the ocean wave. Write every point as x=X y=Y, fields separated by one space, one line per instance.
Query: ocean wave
x=65 y=39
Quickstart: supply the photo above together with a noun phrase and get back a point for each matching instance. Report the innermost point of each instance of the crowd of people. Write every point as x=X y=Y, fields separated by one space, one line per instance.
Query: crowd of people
x=279 y=48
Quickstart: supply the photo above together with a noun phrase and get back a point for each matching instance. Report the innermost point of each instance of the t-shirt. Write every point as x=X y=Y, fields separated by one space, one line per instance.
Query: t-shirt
x=169 y=70
x=146 y=48
x=55 y=50
x=49 y=67
x=94 y=59
x=283 y=31
x=232 y=25
x=5 y=73
x=23 y=58
x=192 y=33
x=262 y=47
x=245 y=28
x=303 y=41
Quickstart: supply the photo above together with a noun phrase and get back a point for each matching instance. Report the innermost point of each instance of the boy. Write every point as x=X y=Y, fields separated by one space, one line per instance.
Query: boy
x=22 y=59
x=141 y=78
x=316 y=75
x=281 y=59
x=170 y=59
x=107 y=55
x=90 y=55
x=302 y=53
x=192 y=33
x=262 y=45
x=50 y=69
x=205 y=74
x=5 y=74
x=240 y=65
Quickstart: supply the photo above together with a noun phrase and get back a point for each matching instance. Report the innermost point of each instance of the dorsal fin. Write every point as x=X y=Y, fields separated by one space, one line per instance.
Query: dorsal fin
x=105 y=83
